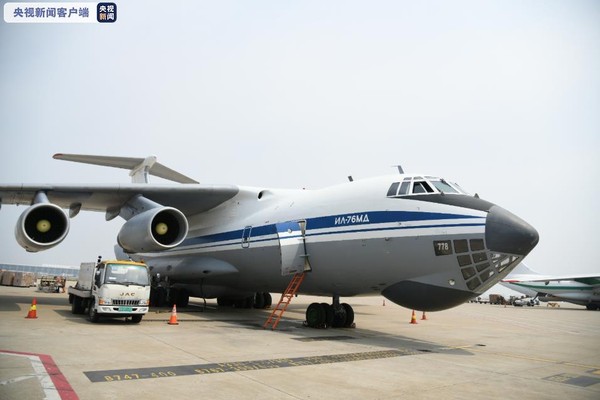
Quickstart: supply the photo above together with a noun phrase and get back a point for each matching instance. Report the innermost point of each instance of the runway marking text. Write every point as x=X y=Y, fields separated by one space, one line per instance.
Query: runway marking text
x=216 y=368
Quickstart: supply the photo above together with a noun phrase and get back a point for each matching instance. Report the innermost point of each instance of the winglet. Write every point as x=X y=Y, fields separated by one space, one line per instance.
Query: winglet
x=139 y=167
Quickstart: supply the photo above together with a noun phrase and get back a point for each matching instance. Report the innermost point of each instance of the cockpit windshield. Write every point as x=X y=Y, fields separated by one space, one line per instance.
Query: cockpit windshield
x=423 y=185
x=126 y=274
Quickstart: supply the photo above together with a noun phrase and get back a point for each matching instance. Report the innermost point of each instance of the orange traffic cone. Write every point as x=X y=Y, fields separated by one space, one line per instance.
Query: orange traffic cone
x=413 y=319
x=424 y=317
x=33 y=309
x=173 y=319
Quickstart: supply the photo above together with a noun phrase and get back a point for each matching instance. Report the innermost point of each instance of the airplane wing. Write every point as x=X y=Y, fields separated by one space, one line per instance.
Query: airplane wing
x=585 y=279
x=190 y=199
x=157 y=215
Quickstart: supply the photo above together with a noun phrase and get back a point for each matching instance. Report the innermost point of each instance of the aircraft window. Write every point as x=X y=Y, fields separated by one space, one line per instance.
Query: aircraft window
x=421 y=187
x=404 y=188
x=460 y=246
x=444 y=187
x=393 y=189
x=473 y=283
x=478 y=257
x=477 y=244
x=464 y=260
x=457 y=187
x=468 y=272
x=482 y=267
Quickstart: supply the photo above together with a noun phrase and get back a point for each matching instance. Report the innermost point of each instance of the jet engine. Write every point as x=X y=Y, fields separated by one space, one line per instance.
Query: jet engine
x=157 y=229
x=41 y=226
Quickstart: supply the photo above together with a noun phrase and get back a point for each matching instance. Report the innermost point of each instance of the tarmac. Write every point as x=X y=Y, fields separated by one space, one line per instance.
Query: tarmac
x=472 y=351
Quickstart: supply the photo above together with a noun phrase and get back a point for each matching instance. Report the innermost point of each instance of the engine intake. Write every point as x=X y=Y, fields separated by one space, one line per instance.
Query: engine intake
x=157 y=229
x=41 y=226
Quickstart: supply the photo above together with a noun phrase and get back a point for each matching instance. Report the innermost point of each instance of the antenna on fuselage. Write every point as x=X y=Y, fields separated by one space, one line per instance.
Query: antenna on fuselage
x=350 y=178
x=400 y=170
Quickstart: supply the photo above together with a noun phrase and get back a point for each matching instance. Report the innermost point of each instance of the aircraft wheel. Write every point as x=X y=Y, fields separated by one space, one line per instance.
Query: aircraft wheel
x=259 y=300
x=339 y=317
x=246 y=302
x=268 y=299
x=328 y=314
x=315 y=315
x=349 y=315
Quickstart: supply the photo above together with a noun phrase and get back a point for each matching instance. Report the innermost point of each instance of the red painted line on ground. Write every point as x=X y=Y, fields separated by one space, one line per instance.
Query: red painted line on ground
x=61 y=384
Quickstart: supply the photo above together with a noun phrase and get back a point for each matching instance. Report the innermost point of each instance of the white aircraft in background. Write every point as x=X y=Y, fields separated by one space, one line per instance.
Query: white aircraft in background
x=583 y=290
x=418 y=240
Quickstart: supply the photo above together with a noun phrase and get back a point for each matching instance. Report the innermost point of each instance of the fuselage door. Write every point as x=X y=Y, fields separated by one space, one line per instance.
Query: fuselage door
x=246 y=237
x=292 y=243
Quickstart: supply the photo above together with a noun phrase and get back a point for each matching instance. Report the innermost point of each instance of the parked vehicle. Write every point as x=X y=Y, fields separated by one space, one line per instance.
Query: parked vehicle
x=111 y=289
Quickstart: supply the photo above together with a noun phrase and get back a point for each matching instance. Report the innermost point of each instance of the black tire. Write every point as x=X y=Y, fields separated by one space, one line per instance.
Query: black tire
x=246 y=302
x=137 y=318
x=328 y=314
x=259 y=300
x=77 y=306
x=94 y=317
x=268 y=299
x=349 y=315
x=339 y=317
x=315 y=316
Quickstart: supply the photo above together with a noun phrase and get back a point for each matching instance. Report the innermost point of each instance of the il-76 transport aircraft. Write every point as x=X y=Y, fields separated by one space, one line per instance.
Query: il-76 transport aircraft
x=418 y=240
x=583 y=290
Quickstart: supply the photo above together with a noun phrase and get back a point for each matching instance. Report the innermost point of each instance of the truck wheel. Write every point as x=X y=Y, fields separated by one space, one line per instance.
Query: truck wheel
x=77 y=305
x=94 y=317
x=136 y=319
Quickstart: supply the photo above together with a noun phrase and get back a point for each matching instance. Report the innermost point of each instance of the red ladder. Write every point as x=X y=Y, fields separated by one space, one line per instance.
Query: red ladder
x=284 y=302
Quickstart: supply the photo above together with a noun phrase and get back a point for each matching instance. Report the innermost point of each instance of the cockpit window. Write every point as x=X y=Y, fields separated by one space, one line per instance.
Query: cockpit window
x=443 y=186
x=420 y=185
x=404 y=188
x=393 y=189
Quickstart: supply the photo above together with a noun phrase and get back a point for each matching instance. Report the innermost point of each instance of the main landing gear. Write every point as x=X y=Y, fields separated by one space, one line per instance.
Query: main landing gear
x=336 y=315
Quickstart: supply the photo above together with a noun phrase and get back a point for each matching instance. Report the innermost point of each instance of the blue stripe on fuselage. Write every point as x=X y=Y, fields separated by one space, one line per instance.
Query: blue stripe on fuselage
x=372 y=217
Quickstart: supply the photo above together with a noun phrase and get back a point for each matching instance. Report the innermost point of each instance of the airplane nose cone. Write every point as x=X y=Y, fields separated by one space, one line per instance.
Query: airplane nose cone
x=507 y=233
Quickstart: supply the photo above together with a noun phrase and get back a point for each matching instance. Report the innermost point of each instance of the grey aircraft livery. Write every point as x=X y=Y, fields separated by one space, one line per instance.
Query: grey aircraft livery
x=420 y=241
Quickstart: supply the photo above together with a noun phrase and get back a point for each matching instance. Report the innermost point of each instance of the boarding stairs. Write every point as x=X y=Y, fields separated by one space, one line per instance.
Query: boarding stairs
x=284 y=302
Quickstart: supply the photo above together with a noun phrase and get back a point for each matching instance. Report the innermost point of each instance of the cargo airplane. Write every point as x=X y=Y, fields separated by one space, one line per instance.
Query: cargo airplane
x=420 y=241
x=583 y=290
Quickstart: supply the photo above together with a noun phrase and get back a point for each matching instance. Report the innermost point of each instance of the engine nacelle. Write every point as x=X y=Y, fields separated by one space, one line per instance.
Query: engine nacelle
x=41 y=226
x=157 y=229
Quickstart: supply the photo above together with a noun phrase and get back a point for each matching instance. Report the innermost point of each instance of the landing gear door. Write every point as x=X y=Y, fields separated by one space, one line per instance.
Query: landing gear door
x=294 y=258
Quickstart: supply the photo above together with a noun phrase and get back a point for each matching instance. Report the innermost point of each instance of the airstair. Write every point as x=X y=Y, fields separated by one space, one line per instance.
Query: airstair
x=284 y=302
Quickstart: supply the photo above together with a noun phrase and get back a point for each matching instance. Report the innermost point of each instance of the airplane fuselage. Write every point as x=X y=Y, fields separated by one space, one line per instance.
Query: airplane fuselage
x=425 y=251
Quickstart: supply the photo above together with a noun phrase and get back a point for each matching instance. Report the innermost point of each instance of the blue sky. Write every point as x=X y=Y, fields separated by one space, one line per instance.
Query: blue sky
x=500 y=96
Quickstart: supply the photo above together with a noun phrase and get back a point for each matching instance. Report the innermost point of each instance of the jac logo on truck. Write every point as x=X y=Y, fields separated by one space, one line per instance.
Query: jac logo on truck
x=124 y=294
